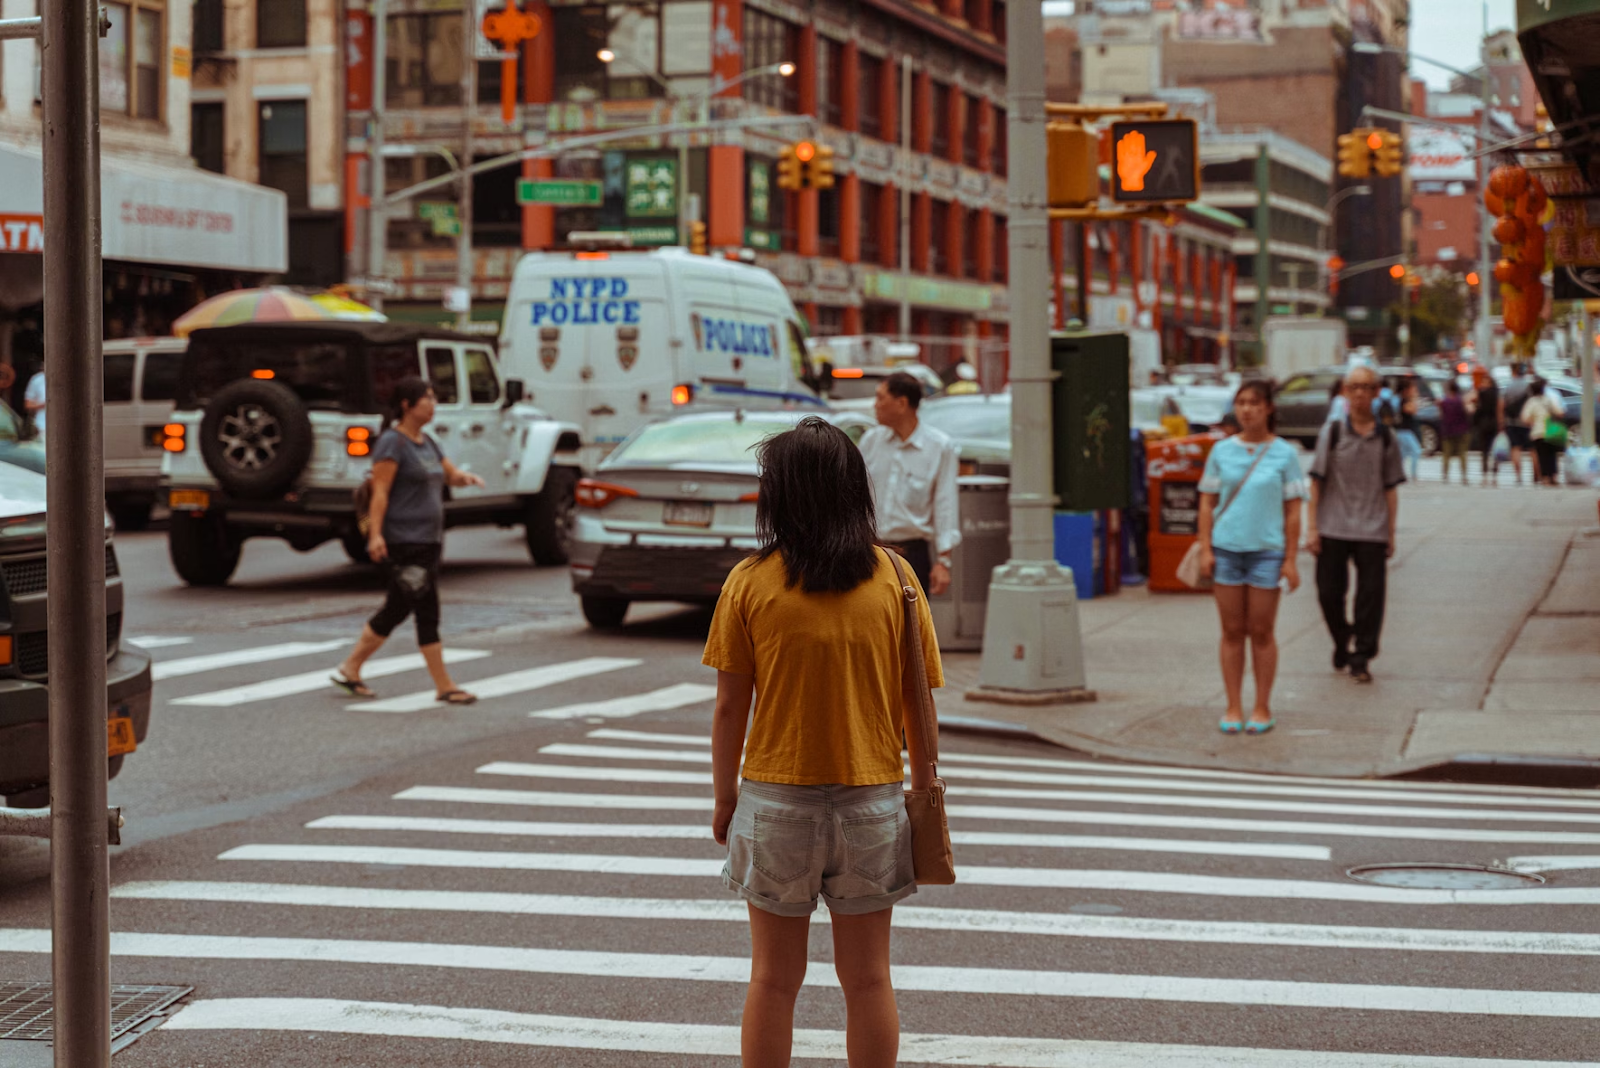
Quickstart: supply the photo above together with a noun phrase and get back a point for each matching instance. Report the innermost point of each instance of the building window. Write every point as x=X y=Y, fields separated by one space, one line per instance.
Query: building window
x=869 y=95
x=489 y=74
x=997 y=157
x=208 y=26
x=1002 y=251
x=871 y=213
x=828 y=222
x=830 y=81
x=130 y=60
x=768 y=41
x=425 y=61
x=969 y=132
x=938 y=247
x=582 y=33
x=206 y=143
x=939 y=143
x=280 y=23
x=997 y=20
x=969 y=245
x=283 y=148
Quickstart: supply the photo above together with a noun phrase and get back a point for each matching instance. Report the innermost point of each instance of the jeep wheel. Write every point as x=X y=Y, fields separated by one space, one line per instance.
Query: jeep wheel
x=549 y=519
x=204 y=552
x=604 y=613
x=255 y=438
x=355 y=547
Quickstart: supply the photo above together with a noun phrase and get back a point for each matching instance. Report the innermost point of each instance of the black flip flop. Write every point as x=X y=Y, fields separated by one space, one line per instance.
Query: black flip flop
x=457 y=697
x=353 y=687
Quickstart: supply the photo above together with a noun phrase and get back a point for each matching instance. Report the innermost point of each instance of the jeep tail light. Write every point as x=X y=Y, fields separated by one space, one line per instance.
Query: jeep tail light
x=682 y=394
x=5 y=650
x=172 y=437
x=749 y=498
x=265 y=374
x=357 y=440
x=592 y=493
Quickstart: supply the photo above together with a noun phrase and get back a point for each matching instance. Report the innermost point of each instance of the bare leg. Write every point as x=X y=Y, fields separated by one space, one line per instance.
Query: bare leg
x=1231 y=608
x=369 y=643
x=1263 y=616
x=777 y=968
x=433 y=656
x=861 y=958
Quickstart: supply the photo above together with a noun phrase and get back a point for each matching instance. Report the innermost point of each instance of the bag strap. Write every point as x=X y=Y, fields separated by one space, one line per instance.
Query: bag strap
x=914 y=680
x=1248 y=472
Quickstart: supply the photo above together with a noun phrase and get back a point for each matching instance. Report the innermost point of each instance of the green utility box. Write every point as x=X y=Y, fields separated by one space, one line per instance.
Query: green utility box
x=1089 y=405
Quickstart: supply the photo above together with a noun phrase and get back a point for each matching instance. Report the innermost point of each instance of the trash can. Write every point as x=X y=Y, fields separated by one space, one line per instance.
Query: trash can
x=959 y=613
x=1078 y=546
x=1174 y=468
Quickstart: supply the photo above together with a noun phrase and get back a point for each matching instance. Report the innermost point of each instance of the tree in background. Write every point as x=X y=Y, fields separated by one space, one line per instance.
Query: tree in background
x=1439 y=313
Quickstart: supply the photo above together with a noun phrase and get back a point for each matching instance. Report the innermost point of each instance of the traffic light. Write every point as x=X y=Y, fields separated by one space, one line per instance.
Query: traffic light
x=818 y=172
x=697 y=237
x=1156 y=160
x=1355 y=158
x=789 y=169
x=1073 y=165
x=1387 y=153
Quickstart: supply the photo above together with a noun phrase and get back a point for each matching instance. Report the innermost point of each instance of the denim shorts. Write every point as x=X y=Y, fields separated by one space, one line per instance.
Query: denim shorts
x=1261 y=569
x=849 y=844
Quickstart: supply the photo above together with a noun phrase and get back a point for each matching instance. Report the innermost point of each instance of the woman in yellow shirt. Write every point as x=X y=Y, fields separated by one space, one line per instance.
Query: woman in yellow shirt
x=813 y=627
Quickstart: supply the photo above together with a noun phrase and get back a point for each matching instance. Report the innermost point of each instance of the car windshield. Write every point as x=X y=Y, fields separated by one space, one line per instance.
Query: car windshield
x=982 y=420
x=712 y=441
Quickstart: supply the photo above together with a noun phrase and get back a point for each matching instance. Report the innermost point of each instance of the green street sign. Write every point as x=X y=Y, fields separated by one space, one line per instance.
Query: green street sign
x=443 y=227
x=652 y=188
x=436 y=209
x=574 y=192
x=653 y=235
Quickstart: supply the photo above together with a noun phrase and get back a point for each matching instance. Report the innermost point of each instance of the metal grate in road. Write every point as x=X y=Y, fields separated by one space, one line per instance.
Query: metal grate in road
x=25 y=1008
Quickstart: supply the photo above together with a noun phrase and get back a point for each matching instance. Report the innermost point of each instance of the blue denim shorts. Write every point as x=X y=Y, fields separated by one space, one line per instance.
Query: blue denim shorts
x=850 y=845
x=1261 y=569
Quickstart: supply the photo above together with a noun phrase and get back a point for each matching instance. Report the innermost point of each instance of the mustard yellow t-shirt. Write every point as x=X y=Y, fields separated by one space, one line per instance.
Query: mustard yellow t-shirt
x=828 y=673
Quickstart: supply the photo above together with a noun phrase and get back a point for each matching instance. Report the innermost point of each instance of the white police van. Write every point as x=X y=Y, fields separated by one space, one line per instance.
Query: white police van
x=612 y=338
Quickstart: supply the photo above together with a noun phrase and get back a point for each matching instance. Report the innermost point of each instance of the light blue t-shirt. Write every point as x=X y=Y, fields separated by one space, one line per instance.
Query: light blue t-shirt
x=1253 y=522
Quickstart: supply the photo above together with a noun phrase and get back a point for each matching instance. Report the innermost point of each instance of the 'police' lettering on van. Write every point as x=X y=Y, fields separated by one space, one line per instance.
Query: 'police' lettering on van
x=584 y=301
x=731 y=335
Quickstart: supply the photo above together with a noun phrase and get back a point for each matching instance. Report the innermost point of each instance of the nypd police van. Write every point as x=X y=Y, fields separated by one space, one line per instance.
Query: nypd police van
x=612 y=338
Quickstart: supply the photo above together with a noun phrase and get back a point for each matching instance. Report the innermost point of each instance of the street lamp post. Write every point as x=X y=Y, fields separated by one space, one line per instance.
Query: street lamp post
x=1334 y=201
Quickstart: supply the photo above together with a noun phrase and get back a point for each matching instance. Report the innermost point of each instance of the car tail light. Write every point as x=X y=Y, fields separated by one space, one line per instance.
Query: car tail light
x=5 y=650
x=968 y=467
x=682 y=394
x=172 y=437
x=849 y=372
x=264 y=374
x=592 y=493
x=357 y=440
x=749 y=498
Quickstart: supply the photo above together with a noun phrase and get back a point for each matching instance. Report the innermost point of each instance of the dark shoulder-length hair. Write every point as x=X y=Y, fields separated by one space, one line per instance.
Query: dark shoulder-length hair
x=815 y=508
x=406 y=393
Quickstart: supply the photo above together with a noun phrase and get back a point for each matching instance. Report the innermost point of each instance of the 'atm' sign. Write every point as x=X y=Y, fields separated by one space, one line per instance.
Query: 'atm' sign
x=21 y=233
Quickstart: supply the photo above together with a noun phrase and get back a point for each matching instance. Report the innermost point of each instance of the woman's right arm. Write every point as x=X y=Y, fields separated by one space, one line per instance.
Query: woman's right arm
x=383 y=473
x=728 y=721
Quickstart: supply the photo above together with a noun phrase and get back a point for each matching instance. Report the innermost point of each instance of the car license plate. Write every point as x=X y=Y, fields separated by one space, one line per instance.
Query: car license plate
x=199 y=500
x=688 y=514
x=119 y=736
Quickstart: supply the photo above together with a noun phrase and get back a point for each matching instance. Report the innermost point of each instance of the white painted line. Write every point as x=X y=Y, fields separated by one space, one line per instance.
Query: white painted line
x=674 y=967
x=159 y=641
x=702 y=832
x=662 y=700
x=310 y=681
x=1556 y=863
x=911 y=917
x=1014 y=815
x=395 y=1020
x=590 y=773
x=505 y=685
x=991 y=774
x=194 y=665
x=1052 y=878
x=617 y=734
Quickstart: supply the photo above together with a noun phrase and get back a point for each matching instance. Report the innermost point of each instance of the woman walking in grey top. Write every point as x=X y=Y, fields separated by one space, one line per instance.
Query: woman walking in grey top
x=406 y=534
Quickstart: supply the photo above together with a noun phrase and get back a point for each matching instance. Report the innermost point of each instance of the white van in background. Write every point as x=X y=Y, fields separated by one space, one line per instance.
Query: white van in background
x=141 y=388
x=611 y=338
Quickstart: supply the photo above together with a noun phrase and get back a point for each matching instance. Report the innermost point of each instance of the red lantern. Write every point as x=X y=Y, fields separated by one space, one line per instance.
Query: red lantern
x=1508 y=231
x=1508 y=183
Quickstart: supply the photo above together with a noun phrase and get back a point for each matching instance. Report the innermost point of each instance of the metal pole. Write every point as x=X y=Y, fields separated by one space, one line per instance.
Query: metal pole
x=1084 y=268
x=377 y=213
x=469 y=111
x=1485 y=262
x=1586 y=369
x=905 y=198
x=79 y=869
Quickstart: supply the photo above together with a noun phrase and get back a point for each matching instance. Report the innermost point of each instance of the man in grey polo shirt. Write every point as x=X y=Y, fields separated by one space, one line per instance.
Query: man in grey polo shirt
x=1354 y=505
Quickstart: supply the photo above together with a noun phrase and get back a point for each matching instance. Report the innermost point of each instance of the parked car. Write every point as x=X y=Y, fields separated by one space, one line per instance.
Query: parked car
x=141 y=389
x=1303 y=400
x=15 y=448
x=847 y=388
x=25 y=649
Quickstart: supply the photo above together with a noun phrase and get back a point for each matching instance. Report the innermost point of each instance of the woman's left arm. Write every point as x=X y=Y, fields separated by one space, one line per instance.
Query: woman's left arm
x=1291 y=542
x=728 y=722
x=454 y=476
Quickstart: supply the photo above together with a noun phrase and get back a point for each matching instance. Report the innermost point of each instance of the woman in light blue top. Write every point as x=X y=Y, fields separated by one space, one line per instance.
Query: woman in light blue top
x=1249 y=533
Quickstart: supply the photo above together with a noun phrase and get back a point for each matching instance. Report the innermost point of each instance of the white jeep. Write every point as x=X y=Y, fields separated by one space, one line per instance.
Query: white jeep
x=275 y=423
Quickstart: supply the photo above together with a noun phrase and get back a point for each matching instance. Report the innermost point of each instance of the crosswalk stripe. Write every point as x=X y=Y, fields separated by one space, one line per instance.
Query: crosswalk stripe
x=955 y=765
x=193 y=665
x=388 y=1019
x=1556 y=863
x=662 y=700
x=1051 y=878
x=473 y=795
x=310 y=681
x=506 y=685
x=910 y=917
x=159 y=641
x=654 y=775
x=1015 y=982
x=702 y=832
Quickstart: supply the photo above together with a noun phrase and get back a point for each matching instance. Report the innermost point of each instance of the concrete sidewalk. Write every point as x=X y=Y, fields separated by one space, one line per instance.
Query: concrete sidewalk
x=1491 y=648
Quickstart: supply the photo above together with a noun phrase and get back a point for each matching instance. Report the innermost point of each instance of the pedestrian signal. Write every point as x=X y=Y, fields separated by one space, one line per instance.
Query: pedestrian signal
x=1156 y=160
x=789 y=167
x=1073 y=165
x=1387 y=154
x=1355 y=158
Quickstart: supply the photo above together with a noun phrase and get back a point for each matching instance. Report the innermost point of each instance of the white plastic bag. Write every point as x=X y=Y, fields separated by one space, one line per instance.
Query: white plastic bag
x=1581 y=465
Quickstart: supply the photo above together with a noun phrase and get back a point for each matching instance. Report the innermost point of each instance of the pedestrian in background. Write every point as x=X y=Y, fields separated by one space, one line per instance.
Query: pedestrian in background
x=814 y=626
x=406 y=537
x=1250 y=499
x=1338 y=403
x=1488 y=419
x=1405 y=430
x=1516 y=394
x=33 y=399
x=1355 y=505
x=1455 y=429
x=1540 y=414
x=913 y=469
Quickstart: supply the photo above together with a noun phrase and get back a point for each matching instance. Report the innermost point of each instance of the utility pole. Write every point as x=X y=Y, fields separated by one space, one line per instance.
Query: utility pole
x=1586 y=325
x=80 y=873
x=1485 y=260
x=905 y=198
x=1030 y=596
x=469 y=113
x=377 y=212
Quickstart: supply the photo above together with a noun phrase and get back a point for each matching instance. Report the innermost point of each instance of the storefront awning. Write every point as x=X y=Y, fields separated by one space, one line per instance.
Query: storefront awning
x=155 y=213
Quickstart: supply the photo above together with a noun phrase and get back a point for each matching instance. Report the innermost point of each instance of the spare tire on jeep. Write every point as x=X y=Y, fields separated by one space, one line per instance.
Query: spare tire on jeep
x=255 y=438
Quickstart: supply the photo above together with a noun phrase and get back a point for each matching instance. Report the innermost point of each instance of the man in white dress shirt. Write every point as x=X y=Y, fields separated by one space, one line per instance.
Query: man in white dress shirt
x=913 y=470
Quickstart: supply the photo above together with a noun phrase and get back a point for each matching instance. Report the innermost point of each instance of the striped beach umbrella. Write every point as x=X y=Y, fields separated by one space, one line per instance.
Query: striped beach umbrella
x=271 y=304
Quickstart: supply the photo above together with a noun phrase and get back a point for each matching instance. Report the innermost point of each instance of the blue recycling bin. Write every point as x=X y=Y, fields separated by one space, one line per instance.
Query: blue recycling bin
x=1078 y=547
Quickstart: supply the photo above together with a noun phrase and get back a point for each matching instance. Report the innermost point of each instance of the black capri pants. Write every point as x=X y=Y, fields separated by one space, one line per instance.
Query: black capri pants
x=412 y=572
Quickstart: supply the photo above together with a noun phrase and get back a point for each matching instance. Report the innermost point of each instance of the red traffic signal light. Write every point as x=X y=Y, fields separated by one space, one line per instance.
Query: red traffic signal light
x=1472 y=278
x=1397 y=272
x=1375 y=140
x=805 y=151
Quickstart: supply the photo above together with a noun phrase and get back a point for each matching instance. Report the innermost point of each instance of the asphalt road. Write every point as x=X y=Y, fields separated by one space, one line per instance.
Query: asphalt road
x=531 y=880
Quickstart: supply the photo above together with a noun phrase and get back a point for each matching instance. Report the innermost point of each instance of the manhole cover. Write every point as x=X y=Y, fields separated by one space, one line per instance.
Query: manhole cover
x=1445 y=876
x=25 y=1008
